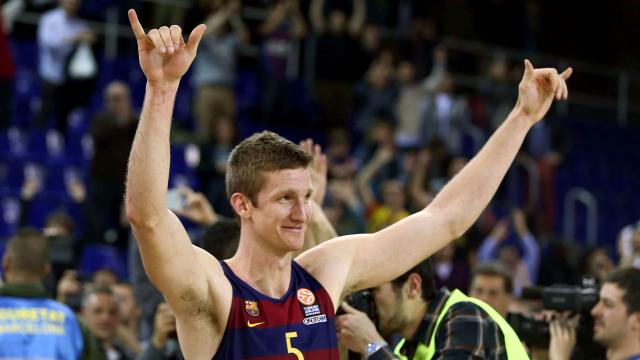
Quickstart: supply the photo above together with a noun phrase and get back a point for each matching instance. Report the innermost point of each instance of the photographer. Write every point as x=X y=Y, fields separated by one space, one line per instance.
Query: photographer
x=616 y=319
x=433 y=324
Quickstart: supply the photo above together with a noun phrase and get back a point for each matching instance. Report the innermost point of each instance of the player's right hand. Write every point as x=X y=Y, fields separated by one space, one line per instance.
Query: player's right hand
x=163 y=54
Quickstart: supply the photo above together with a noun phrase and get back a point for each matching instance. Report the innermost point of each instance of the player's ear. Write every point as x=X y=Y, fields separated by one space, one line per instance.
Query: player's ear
x=635 y=321
x=241 y=205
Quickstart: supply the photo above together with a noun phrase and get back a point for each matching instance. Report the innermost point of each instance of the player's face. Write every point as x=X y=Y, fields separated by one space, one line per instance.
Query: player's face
x=283 y=208
x=611 y=321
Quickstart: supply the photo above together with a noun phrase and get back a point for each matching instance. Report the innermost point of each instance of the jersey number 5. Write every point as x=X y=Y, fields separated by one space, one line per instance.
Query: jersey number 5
x=290 y=349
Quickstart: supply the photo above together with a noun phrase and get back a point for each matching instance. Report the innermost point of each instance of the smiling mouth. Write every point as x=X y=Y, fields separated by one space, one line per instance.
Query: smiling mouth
x=293 y=228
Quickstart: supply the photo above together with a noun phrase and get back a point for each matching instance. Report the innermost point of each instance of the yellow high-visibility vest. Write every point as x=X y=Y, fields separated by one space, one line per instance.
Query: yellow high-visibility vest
x=513 y=345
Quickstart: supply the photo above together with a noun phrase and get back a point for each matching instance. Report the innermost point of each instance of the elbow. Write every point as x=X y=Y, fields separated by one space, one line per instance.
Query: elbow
x=136 y=217
x=133 y=215
x=453 y=224
x=456 y=229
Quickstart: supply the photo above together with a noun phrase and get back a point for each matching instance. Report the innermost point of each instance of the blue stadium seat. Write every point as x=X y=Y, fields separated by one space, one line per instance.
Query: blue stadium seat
x=9 y=215
x=13 y=144
x=246 y=90
x=99 y=256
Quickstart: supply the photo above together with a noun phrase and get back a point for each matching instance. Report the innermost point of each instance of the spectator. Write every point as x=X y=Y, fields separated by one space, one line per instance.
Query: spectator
x=100 y=311
x=450 y=270
x=523 y=267
x=129 y=328
x=213 y=164
x=597 y=264
x=344 y=208
x=59 y=31
x=215 y=68
x=281 y=29
x=446 y=114
x=163 y=343
x=375 y=95
x=104 y=277
x=629 y=245
x=557 y=265
x=418 y=46
x=334 y=43
x=112 y=131
x=408 y=107
x=392 y=208
x=54 y=332
x=432 y=169
x=342 y=164
x=492 y=283
x=221 y=239
x=364 y=53
x=59 y=227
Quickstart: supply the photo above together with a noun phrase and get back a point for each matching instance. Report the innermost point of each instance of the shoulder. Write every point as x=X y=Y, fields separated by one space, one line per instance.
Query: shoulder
x=468 y=313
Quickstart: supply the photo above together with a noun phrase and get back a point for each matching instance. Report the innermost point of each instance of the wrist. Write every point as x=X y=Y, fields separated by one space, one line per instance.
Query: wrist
x=521 y=117
x=163 y=87
x=373 y=346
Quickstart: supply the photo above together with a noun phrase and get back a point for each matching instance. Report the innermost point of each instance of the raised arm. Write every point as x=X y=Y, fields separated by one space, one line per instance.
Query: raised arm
x=363 y=261
x=316 y=16
x=230 y=13
x=299 y=26
x=381 y=157
x=320 y=228
x=358 y=16
x=276 y=15
x=173 y=264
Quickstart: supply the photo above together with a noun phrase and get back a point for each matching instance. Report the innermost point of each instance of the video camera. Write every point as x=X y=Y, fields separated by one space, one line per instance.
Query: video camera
x=575 y=299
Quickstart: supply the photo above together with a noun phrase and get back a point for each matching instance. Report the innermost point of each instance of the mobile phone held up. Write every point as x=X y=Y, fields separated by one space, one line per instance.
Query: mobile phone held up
x=175 y=200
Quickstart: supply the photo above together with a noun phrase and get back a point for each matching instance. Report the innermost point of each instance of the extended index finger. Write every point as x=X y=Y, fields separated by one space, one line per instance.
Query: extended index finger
x=138 y=31
x=567 y=73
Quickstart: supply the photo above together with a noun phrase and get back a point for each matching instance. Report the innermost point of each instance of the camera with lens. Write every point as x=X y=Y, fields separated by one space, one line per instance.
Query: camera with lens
x=362 y=301
x=575 y=299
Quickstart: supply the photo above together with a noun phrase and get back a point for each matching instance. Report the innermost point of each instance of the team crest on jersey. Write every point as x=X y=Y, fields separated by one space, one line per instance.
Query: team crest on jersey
x=306 y=297
x=251 y=307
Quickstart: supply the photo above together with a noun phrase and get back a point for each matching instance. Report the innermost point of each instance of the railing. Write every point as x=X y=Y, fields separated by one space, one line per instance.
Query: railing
x=580 y=195
x=615 y=78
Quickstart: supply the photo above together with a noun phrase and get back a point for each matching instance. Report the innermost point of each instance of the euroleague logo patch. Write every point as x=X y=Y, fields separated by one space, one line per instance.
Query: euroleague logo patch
x=306 y=297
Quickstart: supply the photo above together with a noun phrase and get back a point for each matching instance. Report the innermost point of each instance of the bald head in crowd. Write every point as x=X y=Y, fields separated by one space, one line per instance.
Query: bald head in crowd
x=26 y=258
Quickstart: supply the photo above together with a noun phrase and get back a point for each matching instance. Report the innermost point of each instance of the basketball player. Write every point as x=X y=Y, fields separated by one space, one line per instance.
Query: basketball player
x=261 y=303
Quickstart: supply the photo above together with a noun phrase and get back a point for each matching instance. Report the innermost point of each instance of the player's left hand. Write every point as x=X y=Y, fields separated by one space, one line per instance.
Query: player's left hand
x=538 y=88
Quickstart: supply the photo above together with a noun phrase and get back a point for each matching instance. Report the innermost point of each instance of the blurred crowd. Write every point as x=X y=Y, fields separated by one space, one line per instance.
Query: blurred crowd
x=373 y=82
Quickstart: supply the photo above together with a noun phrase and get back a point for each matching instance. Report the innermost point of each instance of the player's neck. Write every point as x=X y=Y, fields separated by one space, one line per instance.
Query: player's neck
x=265 y=271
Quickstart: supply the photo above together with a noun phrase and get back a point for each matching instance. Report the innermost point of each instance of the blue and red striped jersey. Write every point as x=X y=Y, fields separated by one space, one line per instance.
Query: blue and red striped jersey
x=300 y=325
